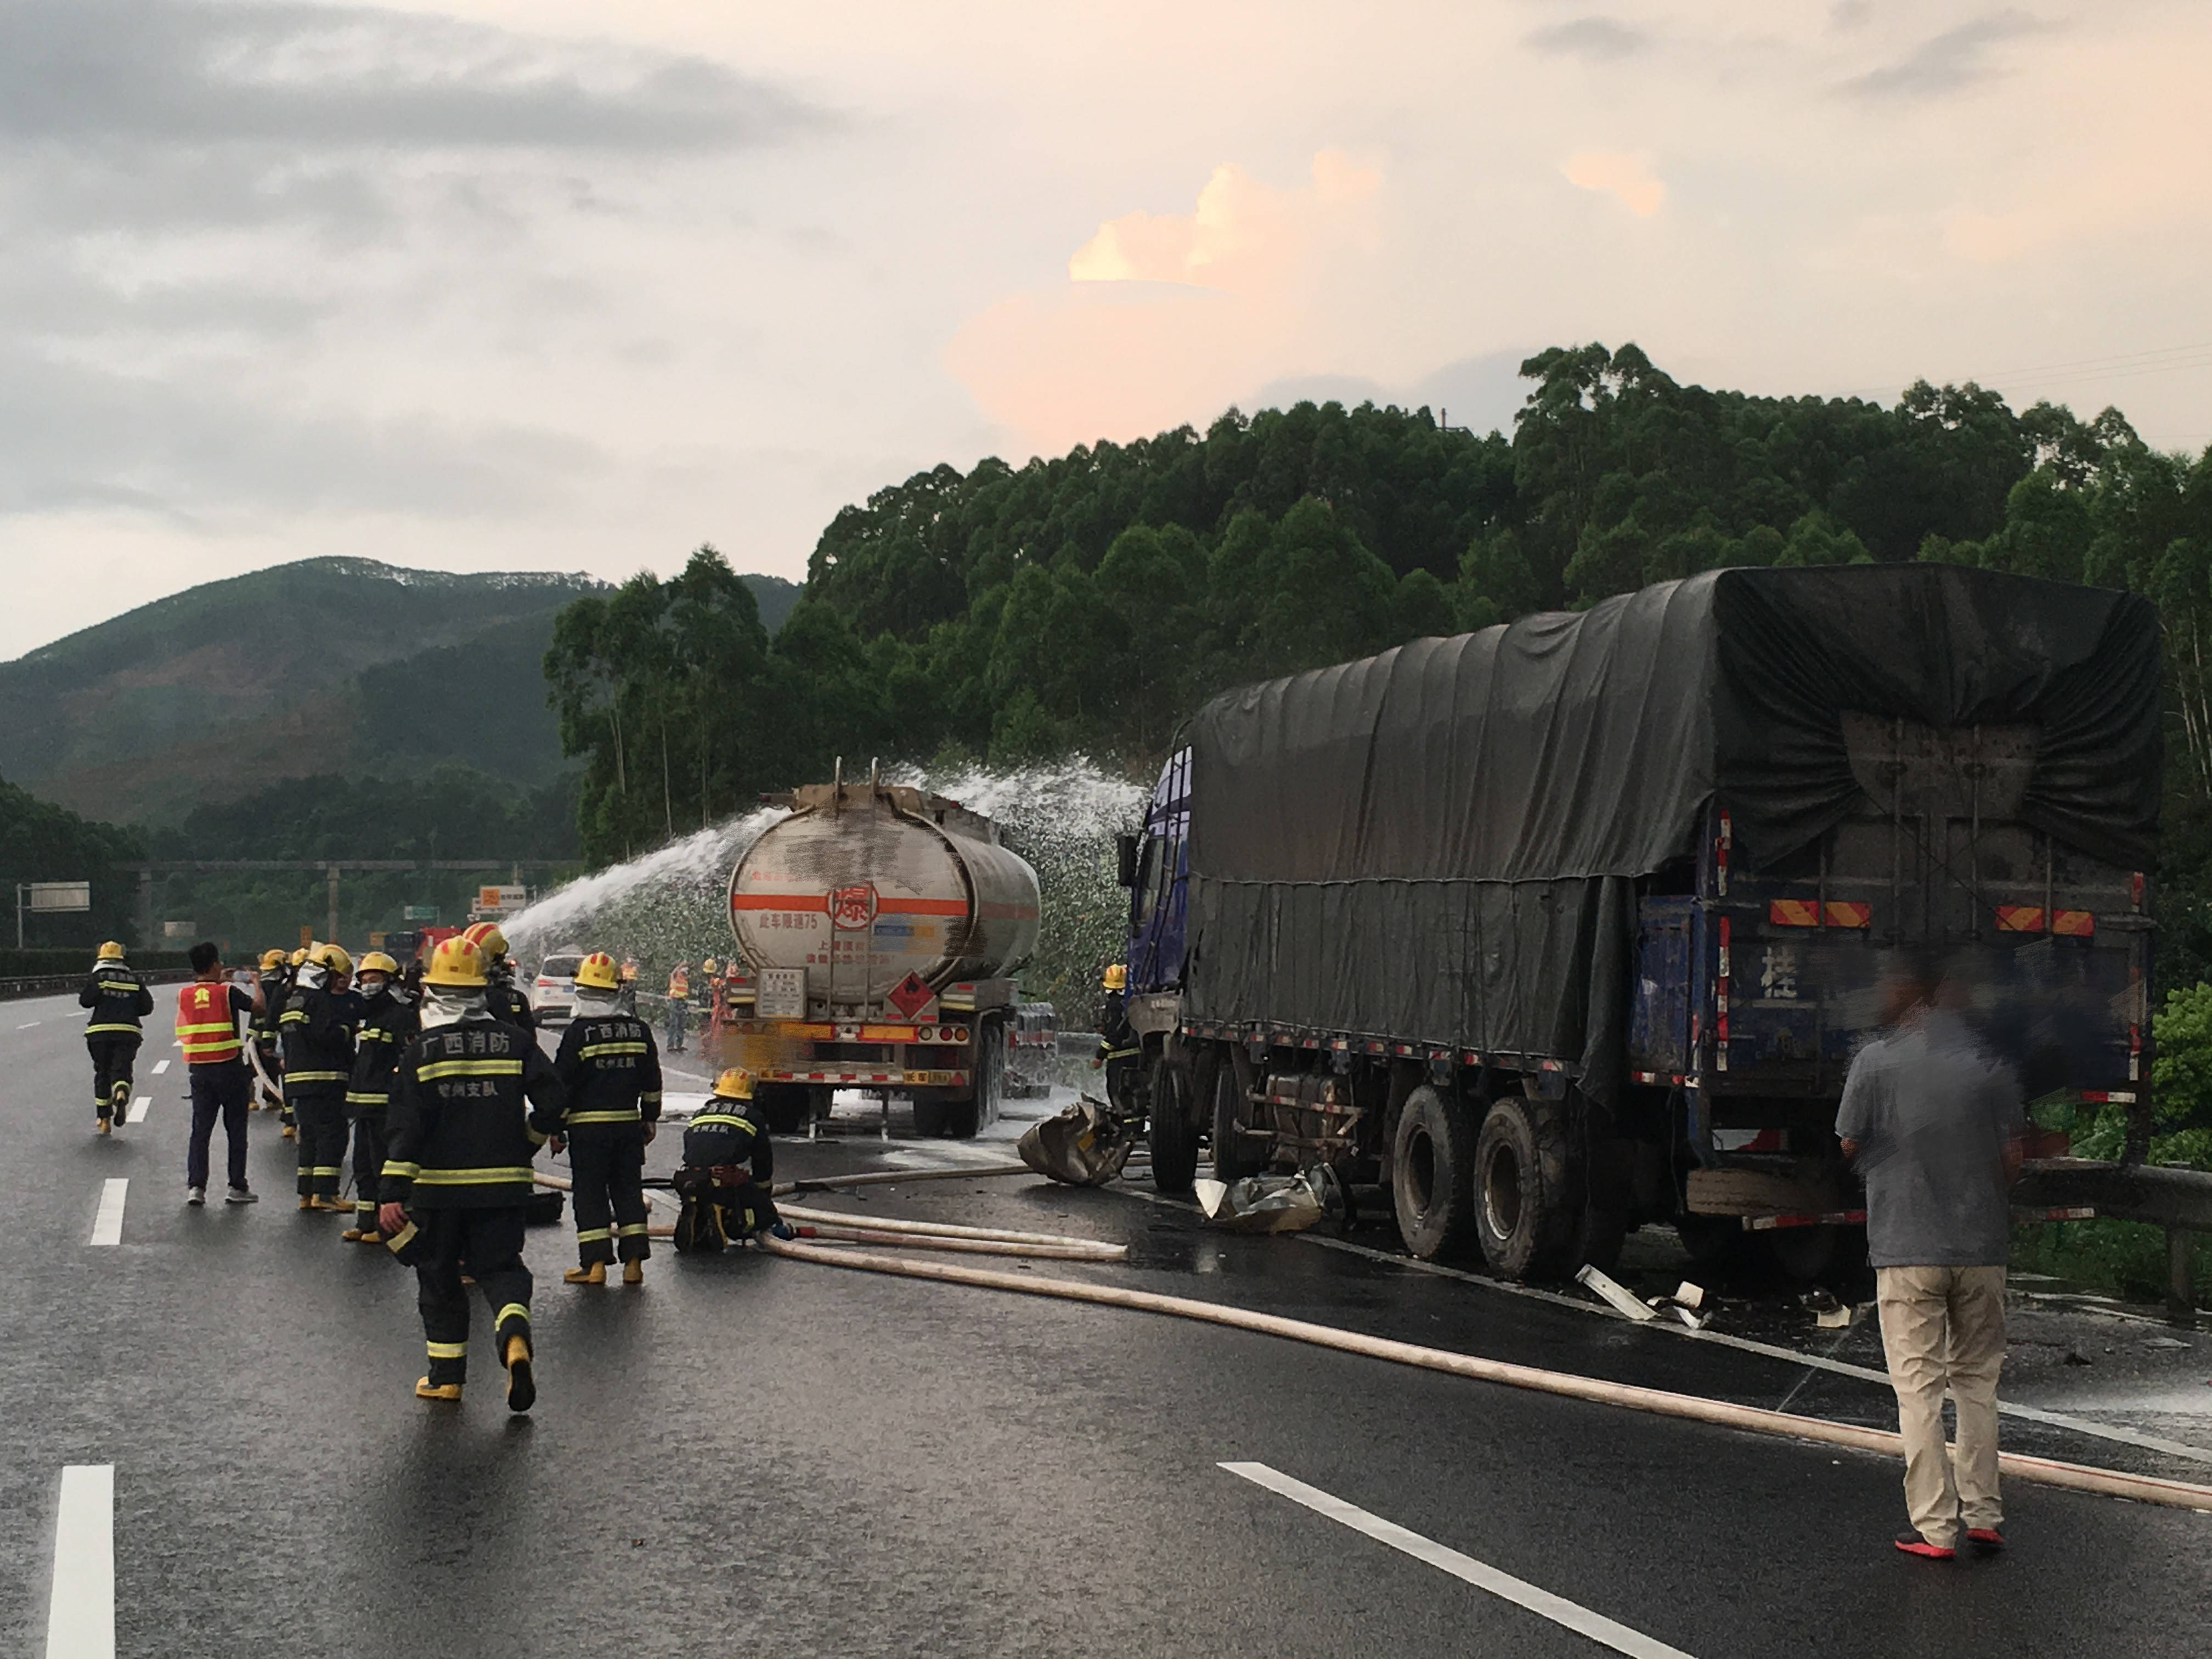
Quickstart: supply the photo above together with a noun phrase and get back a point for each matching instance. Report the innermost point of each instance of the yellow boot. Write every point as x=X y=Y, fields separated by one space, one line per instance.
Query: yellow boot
x=99 y=1127
x=426 y=1390
x=291 y=1132
x=521 y=1383
x=595 y=1273
x=307 y=1203
x=633 y=1273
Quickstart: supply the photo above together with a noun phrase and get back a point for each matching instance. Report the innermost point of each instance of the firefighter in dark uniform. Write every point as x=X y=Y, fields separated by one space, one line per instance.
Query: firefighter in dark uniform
x=389 y=1021
x=728 y=1169
x=276 y=991
x=610 y=1071
x=1119 y=1050
x=293 y=963
x=120 y=1001
x=472 y=1102
x=502 y=996
x=317 y=1028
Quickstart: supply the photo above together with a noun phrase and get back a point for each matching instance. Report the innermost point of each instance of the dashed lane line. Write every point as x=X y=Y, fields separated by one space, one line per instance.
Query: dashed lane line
x=138 y=1112
x=107 y=1222
x=160 y=1066
x=28 y=1023
x=80 y=1617
x=1543 y=1602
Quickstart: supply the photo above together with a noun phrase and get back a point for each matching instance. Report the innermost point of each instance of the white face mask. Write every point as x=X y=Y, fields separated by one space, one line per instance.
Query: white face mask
x=445 y=1005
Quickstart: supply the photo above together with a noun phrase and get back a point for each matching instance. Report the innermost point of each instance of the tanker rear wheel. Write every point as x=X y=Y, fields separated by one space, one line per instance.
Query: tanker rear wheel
x=784 y=1107
x=962 y=1118
x=928 y=1115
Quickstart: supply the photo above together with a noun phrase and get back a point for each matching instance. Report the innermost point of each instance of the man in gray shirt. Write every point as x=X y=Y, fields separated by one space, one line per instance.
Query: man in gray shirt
x=1933 y=1121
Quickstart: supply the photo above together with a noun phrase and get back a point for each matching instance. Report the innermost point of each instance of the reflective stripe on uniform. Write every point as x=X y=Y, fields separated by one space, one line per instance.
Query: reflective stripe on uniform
x=396 y=1167
x=324 y=1169
x=650 y=1098
x=724 y=1120
x=291 y=1014
x=399 y=1240
x=364 y=1098
x=444 y=1068
x=133 y=1028
x=518 y=1310
x=592 y=1050
x=591 y=1234
x=632 y=1230
x=447 y=1350
x=314 y=1077
x=469 y=1177
x=575 y=1118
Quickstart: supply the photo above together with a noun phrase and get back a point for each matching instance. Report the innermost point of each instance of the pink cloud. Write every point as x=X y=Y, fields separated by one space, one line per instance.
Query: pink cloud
x=1627 y=178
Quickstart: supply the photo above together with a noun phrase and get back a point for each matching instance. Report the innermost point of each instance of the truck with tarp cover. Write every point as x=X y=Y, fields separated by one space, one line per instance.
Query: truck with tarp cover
x=1576 y=923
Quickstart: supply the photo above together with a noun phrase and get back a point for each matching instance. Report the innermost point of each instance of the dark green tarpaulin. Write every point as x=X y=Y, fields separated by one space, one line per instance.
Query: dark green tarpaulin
x=1441 y=843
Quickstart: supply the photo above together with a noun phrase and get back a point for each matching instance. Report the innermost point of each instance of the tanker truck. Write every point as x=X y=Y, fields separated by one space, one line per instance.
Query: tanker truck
x=878 y=928
x=1572 y=925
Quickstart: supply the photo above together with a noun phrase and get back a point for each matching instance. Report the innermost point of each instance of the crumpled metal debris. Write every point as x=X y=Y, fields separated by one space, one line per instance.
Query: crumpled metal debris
x=1084 y=1145
x=1261 y=1203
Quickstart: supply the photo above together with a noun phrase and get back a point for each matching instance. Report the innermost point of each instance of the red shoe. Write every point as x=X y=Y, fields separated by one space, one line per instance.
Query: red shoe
x=1913 y=1544
x=1986 y=1541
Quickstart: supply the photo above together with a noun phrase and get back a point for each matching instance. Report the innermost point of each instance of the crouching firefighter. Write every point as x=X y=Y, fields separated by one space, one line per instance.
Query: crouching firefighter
x=119 y=1002
x=728 y=1167
x=389 y=1023
x=611 y=1073
x=472 y=1101
x=317 y=1027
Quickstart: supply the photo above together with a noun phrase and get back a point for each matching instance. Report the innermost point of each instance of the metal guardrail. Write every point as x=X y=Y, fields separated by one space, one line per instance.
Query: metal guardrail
x=46 y=984
x=2179 y=1200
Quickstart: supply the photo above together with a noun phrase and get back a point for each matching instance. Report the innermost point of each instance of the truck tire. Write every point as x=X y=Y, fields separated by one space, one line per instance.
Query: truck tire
x=1528 y=1211
x=1431 y=1174
x=783 y=1106
x=962 y=1118
x=928 y=1115
x=1173 y=1126
x=821 y=1100
x=1234 y=1156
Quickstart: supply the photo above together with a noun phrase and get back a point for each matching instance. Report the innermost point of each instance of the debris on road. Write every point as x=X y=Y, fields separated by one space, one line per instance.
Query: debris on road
x=1614 y=1291
x=1261 y=1204
x=1083 y=1144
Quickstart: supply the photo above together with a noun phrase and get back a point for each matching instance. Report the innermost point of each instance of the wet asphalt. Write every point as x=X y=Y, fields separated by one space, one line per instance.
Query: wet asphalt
x=753 y=1454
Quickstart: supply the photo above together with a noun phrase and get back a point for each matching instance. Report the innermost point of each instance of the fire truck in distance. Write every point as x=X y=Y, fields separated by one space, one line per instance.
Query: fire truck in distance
x=879 y=929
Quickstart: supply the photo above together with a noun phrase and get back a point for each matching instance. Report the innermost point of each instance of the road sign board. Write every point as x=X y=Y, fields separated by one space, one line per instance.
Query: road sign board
x=59 y=895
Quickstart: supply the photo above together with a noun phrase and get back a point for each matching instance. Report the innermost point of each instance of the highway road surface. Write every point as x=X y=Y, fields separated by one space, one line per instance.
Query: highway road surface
x=209 y=1444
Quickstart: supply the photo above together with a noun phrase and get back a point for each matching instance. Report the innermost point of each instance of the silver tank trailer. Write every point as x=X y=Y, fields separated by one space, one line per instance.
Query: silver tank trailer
x=866 y=884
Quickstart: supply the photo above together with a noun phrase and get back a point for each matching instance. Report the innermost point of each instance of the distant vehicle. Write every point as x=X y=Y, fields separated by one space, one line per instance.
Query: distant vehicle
x=1561 y=927
x=553 y=994
x=879 y=929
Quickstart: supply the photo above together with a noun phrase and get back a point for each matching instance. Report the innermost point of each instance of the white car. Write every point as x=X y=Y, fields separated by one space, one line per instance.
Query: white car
x=553 y=994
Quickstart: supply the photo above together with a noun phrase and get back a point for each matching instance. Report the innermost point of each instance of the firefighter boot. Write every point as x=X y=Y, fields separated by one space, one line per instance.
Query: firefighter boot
x=521 y=1386
x=633 y=1271
x=426 y=1390
x=118 y=1104
x=594 y=1272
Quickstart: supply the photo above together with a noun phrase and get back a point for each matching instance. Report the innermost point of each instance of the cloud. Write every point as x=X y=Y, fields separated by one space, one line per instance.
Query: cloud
x=1947 y=62
x=1627 y=178
x=1594 y=39
x=90 y=73
x=1166 y=317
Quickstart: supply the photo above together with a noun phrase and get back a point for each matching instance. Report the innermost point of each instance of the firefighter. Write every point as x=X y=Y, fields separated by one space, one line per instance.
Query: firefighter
x=293 y=963
x=317 y=1028
x=389 y=1021
x=503 y=997
x=1119 y=1049
x=119 y=1000
x=276 y=991
x=630 y=984
x=727 y=1170
x=611 y=1073
x=472 y=1102
x=679 y=997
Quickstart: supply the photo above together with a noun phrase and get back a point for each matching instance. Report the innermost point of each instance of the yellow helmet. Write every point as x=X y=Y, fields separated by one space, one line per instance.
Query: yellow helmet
x=298 y=957
x=456 y=962
x=597 y=971
x=1115 y=978
x=736 y=1084
x=376 y=962
x=486 y=938
x=111 y=952
x=333 y=956
x=271 y=958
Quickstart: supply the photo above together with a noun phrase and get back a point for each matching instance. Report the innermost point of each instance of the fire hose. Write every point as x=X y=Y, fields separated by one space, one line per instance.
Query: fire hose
x=2045 y=1471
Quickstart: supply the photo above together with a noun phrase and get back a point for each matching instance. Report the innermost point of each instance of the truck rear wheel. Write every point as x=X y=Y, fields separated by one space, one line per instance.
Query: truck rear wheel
x=928 y=1115
x=1527 y=1213
x=962 y=1118
x=1233 y=1155
x=1431 y=1174
x=1173 y=1126
x=783 y=1106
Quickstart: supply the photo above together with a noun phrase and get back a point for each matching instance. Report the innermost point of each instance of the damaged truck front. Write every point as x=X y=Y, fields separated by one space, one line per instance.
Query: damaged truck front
x=1575 y=924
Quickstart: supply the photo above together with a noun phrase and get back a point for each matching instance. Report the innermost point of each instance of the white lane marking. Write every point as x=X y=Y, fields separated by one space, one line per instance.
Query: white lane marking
x=80 y=1619
x=29 y=1024
x=160 y=1066
x=137 y=1113
x=1481 y=1574
x=107 y=1223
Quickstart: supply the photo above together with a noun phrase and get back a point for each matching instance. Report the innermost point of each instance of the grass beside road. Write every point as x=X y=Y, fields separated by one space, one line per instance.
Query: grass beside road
x=2128 y=1257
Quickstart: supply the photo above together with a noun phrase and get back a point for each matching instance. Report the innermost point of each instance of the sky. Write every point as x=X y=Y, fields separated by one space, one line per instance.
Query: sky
x=579 y=285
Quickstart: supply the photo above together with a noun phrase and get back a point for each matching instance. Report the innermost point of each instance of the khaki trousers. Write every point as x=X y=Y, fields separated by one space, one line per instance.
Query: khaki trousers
x=1944 y=1328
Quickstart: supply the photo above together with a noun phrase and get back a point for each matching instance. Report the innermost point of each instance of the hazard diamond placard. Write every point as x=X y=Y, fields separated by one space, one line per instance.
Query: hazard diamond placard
x=910 y=995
